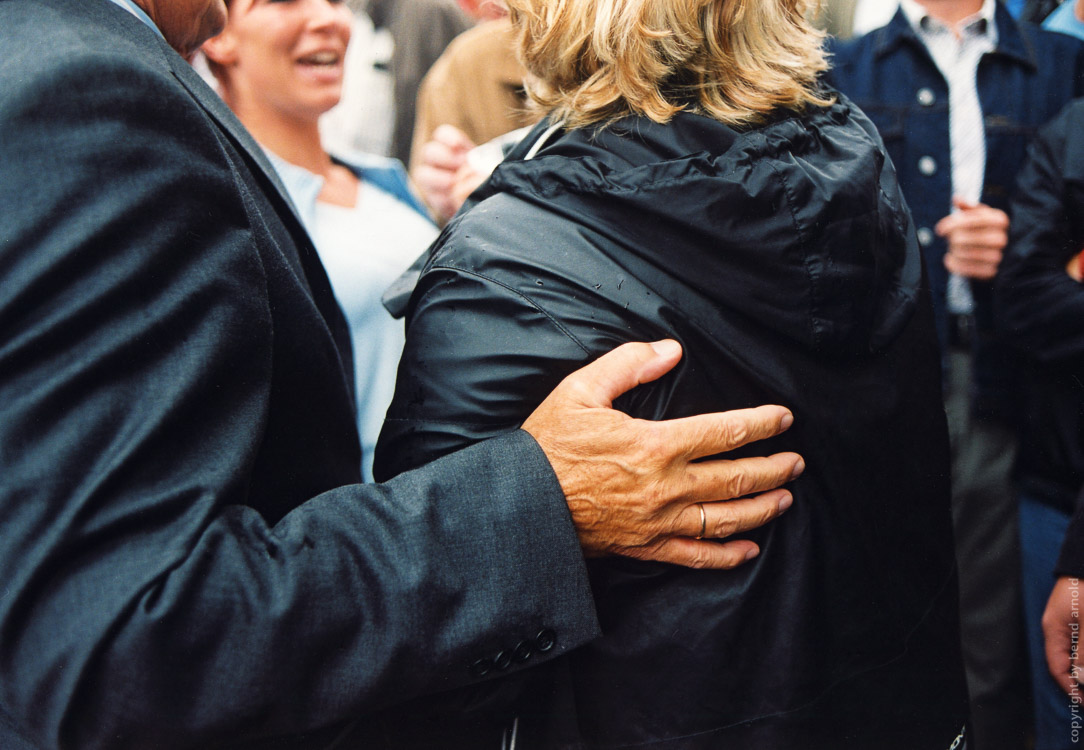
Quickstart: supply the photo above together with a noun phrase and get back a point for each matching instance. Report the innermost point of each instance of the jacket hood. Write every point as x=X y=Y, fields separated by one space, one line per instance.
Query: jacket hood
x=798 y=223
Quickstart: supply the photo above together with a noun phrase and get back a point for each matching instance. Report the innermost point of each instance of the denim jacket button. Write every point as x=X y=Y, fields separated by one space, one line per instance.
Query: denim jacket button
x=927 y=165
x=926 y=97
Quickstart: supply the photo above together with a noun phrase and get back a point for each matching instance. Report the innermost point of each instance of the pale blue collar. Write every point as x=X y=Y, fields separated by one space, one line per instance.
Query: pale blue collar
x=135 y=10
x=916 y=14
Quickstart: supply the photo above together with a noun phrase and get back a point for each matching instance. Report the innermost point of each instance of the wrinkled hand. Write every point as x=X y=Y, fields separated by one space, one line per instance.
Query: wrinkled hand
x=632 y=485
x=977 y=235
x=1061 y=634
x=440 y=173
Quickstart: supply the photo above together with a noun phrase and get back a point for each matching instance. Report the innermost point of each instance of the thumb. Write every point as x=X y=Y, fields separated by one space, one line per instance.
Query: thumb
x=624 y=368
x=453 y=138
x=962 y=204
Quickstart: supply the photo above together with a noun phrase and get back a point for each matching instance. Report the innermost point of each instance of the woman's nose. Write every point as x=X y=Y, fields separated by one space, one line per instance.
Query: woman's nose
x=329 y=13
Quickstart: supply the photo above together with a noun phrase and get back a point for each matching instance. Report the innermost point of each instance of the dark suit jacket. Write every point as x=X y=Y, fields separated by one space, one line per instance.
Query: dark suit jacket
x=184 y=560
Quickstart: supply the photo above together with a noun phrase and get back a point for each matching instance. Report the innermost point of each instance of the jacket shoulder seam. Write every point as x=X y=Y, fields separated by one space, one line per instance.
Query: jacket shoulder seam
x=788 y=196
x=517 y=293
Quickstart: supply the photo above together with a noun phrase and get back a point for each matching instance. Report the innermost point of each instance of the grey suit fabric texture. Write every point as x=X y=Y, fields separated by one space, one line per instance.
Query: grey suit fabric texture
x=186 y=558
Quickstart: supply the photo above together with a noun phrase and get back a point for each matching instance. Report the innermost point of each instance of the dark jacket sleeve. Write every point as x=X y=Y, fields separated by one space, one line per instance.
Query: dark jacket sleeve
x=1040 y=306
x=143 y=601
x=482 y=350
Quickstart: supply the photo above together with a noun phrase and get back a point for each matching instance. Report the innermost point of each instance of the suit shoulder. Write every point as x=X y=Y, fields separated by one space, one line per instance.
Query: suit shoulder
x=47 y=48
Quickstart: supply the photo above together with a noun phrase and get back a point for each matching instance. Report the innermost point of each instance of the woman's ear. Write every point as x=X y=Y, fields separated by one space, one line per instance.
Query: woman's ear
x=221 y=49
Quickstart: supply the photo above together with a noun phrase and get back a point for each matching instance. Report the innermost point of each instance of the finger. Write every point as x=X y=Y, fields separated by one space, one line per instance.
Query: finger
x=724 y=519
x=732 y=517
x=1057 y=644
x=977 y=218
x=976 y=253
x=441 y=156
x=430 y=178
x=989 y=216
x=973 y=258
x=700 y=554
x=962 y=204
x=985 y=238
x=980 y=219
x=466 y=183
x=980 y=271
x=945 y=227
x=452 y=137
x=720 y=480
x=719 y=432
x=620 y=370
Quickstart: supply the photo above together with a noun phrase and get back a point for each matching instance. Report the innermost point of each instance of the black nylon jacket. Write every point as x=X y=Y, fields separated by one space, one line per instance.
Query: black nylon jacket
x=785 y=262
x=1041 y=306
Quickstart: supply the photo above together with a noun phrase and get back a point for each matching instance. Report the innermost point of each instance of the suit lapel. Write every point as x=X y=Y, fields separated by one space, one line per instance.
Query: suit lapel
x=290 y=236
x=311 y=268
x=213 y=105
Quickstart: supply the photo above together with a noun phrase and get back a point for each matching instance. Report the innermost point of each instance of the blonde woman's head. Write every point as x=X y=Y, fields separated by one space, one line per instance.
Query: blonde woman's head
x=592 y=61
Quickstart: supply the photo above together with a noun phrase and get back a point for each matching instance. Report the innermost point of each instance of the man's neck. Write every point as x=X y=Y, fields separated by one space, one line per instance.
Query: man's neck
x=951 y=12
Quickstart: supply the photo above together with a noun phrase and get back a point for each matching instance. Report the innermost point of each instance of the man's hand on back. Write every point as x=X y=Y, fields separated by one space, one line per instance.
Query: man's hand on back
x=635 y=487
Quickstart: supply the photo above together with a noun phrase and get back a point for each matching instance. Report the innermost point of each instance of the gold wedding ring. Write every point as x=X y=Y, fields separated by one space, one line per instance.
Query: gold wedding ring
x=703 y=521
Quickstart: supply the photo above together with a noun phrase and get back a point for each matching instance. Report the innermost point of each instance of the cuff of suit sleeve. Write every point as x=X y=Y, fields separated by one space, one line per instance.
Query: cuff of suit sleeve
x=534 y=549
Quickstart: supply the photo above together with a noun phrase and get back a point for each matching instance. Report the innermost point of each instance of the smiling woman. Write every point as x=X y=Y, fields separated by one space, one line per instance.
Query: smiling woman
x=279 y=64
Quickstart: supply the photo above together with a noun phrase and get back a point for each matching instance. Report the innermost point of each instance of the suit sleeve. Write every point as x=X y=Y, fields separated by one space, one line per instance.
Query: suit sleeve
x=1039 y=305
x=143 y=601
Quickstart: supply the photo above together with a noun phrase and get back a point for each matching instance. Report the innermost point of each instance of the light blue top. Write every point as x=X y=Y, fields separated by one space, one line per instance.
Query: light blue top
x=139 y=13
x=383 y=172
x=1064 y=20
x=364 y=249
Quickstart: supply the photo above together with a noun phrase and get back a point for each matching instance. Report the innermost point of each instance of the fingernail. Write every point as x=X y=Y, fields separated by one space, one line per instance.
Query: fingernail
x=752 y=553
x=786 y=421
x=666 y=347
x=798 y=469
x=785 y=502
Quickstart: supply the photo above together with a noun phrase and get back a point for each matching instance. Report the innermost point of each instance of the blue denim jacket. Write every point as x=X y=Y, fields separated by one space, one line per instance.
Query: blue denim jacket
x=1022 y=84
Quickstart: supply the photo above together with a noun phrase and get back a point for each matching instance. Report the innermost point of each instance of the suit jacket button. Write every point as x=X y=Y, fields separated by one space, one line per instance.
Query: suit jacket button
x=545 y=640
x=523 y=651
x=481 y=668
x=503 y=660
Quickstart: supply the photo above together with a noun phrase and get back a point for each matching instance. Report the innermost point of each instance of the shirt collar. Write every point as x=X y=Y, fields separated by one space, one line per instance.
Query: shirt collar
x=135 y=10
x=917 y=16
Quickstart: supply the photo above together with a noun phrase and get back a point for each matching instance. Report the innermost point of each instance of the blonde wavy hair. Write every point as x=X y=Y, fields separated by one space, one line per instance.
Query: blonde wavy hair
x=593 y=61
